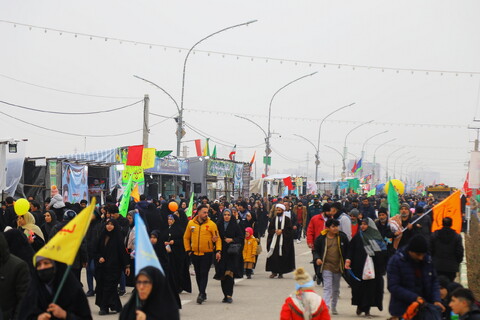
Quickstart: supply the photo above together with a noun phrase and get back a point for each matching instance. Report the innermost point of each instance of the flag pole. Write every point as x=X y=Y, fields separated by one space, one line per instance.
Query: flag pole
x=413 y=222
x=62 y=282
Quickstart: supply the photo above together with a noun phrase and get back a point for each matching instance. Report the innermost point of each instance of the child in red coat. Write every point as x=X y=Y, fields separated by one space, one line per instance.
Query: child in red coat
x=304 y=303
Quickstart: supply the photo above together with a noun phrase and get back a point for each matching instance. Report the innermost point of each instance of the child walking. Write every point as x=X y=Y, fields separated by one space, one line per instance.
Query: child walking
x=249 y=252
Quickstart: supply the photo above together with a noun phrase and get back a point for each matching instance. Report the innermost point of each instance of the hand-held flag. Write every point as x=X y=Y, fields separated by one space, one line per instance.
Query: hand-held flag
x=126 y=198
x=63 y=247
x=392 y=199
x=189 y=210
x=450 y=207
x=144 y=253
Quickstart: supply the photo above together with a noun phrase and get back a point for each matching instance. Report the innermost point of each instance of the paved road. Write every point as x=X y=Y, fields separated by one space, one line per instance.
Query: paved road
x=257 y=298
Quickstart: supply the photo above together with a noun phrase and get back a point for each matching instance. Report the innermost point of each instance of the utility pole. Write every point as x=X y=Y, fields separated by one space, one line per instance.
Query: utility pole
x=146 y=131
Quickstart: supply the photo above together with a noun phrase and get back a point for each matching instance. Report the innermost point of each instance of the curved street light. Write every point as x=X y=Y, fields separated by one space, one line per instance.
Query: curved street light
x=317 y=149
x=375 y=154
x=180 y=108
x=345 y=147
x=267 y=140
x=395 y=163
x=388 y=157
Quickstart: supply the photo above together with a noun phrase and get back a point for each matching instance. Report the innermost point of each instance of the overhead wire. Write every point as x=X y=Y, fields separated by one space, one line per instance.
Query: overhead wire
x=214 y=139
x=64 y=91
x=77 y=134
x=69 y=113
x=251 y=57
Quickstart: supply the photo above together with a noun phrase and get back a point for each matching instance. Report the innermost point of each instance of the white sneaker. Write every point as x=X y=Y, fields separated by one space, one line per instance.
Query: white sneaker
x=299 y=241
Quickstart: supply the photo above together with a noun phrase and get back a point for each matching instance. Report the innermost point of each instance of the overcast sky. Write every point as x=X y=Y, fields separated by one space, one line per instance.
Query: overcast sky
x=428 y=113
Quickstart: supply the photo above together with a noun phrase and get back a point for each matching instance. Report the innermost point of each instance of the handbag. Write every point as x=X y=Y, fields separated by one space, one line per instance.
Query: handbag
x=368 y=269
x=234 y=248
x=259 y=248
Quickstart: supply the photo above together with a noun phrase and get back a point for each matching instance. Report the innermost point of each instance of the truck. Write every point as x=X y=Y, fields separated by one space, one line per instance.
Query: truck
x=439 y=191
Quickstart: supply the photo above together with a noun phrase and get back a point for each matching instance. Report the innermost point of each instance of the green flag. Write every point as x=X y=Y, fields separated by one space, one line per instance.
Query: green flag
x=392 y=198
x=354 y=184
x=214 y=153
x=372 y=192
x=126 y=198
x=190 y=207
x=162 y=153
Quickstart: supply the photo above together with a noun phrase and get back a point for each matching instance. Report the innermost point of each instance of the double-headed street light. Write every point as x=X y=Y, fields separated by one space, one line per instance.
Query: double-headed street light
x=180 y=108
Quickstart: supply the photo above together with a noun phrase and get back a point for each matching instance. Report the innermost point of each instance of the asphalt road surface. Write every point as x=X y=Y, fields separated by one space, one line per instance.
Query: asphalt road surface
x=256 y=298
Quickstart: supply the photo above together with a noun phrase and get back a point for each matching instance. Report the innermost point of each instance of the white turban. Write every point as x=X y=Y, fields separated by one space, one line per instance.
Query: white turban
x=281 y=206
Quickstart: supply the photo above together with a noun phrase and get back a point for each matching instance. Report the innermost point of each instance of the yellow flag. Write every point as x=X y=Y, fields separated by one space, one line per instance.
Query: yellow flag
x=148 y=160
x=63 y=247
x=135 y=194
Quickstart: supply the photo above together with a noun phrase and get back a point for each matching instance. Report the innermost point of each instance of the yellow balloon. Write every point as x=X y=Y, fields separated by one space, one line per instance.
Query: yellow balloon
x=397 y=184
x=21 y=206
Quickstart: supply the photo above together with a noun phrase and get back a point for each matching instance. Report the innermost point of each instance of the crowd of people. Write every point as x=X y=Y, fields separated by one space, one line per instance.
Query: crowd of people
x=351 y=238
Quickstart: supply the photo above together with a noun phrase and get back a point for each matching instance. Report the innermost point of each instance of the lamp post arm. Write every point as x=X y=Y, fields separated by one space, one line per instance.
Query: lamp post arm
x=316 y=150
x=164 y=91
x=253 y=123
x=200 y=41
x=325 y=118
x=276 y=92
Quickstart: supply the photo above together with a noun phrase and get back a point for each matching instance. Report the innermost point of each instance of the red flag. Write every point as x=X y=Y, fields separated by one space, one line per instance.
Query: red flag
x=354 y=168
x=135 y=155
x=233 y=153
x=198 y=147
x=466 y=190
x=288 y=183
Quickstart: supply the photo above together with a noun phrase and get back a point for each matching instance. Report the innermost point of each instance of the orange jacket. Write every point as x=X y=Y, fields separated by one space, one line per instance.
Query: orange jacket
x=198 y=238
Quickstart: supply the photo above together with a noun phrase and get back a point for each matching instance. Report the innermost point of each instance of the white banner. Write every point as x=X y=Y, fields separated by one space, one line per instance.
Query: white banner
x=474 y=170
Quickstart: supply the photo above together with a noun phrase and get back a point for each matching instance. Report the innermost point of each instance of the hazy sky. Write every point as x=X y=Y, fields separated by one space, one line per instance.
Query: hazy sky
x=427 y=113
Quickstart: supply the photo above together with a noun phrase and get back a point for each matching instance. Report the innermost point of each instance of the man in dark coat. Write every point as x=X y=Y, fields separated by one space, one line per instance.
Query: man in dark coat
x=447 y=250
x=367 y=210
x=9 y=216
x=280 y=248
x=411 y=275
x=14 y=279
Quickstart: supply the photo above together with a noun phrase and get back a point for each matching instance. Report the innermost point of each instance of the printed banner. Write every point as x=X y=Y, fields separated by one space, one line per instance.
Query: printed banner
x=217 y=168
x=74 y=182
x=135 y=172
x=238 y=179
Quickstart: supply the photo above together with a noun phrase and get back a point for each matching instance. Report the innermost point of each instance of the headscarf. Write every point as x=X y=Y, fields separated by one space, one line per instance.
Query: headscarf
x=160 y=304
x=372 y=239
x=250 y=231
x=49 y=226
x=19 y=246
x=31 y=226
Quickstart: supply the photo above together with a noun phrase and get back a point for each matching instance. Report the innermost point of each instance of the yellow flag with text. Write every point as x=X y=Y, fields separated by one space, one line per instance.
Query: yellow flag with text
x=63 y=247
x=148 y=158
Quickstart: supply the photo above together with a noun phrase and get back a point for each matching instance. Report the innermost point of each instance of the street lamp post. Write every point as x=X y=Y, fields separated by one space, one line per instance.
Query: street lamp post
x=269 y=134
x=180 y=108
x=395 y=164
x=180 y=114
x=388 y=157
x=341 y=156
x=345 y=147
x=317 y=149
x=401 y=168
x=375 y=154
x=362 y=155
